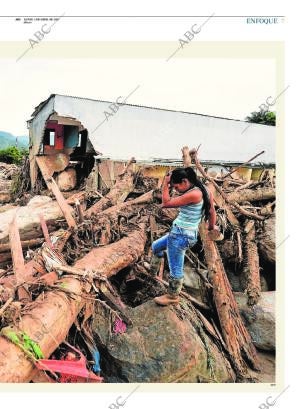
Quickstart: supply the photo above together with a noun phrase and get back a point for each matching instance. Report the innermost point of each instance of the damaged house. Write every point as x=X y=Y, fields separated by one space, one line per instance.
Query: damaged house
x=72 y=131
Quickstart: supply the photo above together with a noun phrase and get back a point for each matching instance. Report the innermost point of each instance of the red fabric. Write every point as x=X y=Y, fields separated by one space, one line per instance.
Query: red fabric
x=70 y=369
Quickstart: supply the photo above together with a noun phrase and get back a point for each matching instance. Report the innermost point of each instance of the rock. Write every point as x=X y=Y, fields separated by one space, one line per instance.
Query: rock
x=259 y=319
x=191 y=277
x=194 y=284
x=159 y=347
x=67 y=179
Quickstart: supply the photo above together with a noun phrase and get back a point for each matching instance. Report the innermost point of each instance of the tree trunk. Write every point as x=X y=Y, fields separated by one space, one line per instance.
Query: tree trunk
x=219 y=196
x=18 y=261
x=266 y=240
x=52 y=186
x=108 y=219
x=130 y=205
x=251 y=268
x=220 y=202
x=118 y=193
x=250 y=195
x=28 y=218
x=25 y=244
x=48 y=323
x=235 y=335
x=186 y=156
x=110 y=259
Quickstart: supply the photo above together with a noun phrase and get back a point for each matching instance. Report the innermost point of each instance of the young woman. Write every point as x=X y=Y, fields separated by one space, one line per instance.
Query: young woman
x=195 y=203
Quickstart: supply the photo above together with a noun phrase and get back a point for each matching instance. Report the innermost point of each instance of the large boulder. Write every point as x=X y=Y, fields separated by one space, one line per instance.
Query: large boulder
x=161 y=346
x=259 y=319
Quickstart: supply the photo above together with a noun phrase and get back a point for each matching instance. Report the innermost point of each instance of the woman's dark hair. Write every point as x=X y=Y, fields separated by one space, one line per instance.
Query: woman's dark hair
x=188 y=173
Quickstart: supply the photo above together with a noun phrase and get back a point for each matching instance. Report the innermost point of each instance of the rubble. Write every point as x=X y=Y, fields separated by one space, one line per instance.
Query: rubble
x=7 y=175
x=91 y=277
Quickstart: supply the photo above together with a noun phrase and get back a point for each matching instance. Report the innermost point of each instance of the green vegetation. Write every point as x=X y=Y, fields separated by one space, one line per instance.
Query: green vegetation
x=262 y=117
x=13 y=155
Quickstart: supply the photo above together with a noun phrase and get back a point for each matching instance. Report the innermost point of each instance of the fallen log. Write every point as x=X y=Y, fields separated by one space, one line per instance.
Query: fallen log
x=248 y=226
x=220 y=202
x=9 y=282
x=28 y=218
x=267 y=209
x=117 y=194
x=266 y=240
x=110 y=259
x=236 y=336
x=222 y=199
x=250 y=195
x=245 y=186
x=53 y=312
x=251 y=268
x=247 y=213
x=243 y=164
x=76 y=196
x=25 y=244
x=225 y=197
x=143 y=199
x=18 y=261
x=6 y=305
x=108 y=221
x=186 y=156
x=5 y=258
x=45 y=230
x=52 y=186
x=48 y=323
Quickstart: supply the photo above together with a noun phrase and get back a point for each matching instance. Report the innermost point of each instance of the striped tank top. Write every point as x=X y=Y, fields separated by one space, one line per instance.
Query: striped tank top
x=190 y=215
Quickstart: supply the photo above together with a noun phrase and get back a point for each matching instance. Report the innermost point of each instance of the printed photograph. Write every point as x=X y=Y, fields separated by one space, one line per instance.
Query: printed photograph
x=138 y=209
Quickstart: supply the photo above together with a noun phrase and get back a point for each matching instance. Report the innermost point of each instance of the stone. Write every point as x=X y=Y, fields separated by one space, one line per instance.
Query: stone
x=259 y=319
x=191 y=278
x=160 y=347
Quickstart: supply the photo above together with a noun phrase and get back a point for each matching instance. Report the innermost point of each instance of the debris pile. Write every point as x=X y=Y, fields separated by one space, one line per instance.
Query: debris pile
x=76 y=288
x=7 y=174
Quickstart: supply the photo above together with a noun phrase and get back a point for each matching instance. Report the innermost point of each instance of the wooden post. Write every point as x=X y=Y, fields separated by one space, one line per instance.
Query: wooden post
x=236 y=336
x=45 y=230
x=18 y=260
x=251 y=269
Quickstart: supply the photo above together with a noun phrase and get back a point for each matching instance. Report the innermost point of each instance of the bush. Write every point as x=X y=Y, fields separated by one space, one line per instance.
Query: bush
x=12 y=155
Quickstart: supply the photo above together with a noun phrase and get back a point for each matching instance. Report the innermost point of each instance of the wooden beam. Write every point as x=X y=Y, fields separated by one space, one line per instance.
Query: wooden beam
x=45 y=230
x=18 y=259
x=52 y=186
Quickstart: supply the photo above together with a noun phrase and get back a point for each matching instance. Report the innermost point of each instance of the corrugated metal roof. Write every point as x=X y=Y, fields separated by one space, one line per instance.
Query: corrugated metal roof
x=154 y=133
x=43 y=103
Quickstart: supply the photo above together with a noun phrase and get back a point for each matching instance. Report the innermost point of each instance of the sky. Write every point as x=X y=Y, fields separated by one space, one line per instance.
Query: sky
x=230 y=88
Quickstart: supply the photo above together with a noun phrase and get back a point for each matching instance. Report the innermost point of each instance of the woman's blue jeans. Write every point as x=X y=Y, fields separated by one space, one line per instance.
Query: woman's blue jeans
x=176 y=243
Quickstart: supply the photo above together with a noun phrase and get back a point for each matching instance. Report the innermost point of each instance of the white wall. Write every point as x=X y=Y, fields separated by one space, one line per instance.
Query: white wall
x=151 y=133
